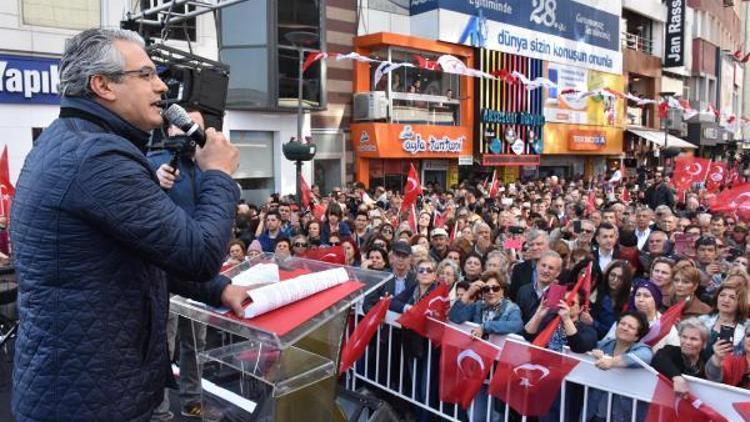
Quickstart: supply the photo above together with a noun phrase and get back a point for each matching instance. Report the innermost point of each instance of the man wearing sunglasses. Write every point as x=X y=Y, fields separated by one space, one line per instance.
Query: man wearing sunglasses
x=94 y=233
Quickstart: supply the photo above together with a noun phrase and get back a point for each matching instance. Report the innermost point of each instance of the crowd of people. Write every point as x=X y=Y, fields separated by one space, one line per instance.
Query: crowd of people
x=503 y=257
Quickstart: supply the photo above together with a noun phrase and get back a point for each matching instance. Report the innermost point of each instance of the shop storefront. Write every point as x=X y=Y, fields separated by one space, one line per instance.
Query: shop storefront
x=581 y=132
x=511 y=119
x=385 y=151
x=29 y=102
x=412 y=114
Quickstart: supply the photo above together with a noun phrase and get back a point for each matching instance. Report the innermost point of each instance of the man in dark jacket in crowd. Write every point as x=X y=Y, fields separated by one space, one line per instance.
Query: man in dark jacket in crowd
x=659 y=193
x=93 y=234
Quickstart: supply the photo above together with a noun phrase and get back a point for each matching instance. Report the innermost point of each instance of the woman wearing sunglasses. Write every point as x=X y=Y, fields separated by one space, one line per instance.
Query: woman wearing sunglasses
x=494 y=312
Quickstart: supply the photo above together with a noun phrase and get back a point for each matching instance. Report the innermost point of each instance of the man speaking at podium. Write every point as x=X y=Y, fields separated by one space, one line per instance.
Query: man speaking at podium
x=93 y=234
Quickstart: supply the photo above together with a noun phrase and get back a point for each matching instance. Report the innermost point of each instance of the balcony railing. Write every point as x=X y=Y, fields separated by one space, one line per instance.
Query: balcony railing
x=637 y=42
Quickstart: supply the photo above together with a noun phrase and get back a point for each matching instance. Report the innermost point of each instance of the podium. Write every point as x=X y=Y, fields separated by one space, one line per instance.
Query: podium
x=285 y=367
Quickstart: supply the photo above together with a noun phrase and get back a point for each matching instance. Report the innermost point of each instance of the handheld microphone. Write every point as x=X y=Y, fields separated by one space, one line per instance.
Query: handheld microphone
x=177 y=116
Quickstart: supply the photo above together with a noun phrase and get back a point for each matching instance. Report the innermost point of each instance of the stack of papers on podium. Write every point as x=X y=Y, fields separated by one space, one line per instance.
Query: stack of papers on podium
x=276 y=295
x=258 y=274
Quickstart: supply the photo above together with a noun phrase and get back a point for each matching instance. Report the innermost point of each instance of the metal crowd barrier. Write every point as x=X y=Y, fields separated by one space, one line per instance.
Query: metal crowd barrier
x=635 y=384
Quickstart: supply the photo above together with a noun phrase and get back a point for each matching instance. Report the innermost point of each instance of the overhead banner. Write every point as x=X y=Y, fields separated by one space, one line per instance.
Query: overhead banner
x=575 y=32
x=589 y=110
x=675 y=34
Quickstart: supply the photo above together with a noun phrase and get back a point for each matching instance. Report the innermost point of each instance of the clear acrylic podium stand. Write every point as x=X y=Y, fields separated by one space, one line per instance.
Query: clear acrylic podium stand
x=273 y=377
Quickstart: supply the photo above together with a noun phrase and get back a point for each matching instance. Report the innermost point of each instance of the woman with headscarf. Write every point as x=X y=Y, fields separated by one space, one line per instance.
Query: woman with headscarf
x=644 y=298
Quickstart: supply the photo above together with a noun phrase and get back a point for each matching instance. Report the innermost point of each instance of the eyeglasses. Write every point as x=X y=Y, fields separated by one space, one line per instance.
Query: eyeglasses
x=379 y=245
x=587 y=231
x=615 y=276
x=387 y=231
x=335 y=243
x=423 y=270
x=494 y=289
x=300 y=245
x=145 y=73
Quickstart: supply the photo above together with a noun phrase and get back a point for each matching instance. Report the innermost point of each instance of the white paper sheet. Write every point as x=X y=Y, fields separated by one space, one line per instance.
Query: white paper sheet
x=260 y=273
x=271 y=297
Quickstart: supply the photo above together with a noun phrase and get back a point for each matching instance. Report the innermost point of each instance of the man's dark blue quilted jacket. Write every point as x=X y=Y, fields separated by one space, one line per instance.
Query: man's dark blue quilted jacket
x=92 y=235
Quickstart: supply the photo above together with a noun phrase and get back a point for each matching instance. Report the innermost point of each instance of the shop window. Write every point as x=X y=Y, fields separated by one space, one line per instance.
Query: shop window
x=245 y=47
x=299 y=16
x=389 y=173
x=256 y=153
x=418 y=95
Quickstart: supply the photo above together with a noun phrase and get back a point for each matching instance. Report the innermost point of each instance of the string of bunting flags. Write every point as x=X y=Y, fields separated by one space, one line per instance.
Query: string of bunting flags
x=450 y=64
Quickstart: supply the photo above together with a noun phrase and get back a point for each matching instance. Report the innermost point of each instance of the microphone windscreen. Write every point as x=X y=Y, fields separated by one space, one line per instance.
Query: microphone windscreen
x=177 y=116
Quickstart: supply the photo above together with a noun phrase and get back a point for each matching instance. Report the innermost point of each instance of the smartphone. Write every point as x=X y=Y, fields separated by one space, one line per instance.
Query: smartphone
x=555 y=293
x=726 y=333
x=577 y=226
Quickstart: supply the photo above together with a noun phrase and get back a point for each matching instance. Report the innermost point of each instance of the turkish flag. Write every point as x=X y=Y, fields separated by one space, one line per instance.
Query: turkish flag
x=465 y=362
x=584 y=283
x=357 y=342
x=528 y=378
x=661 y=328
x=591 y=202
x=7 y=191
x=319 y=211
x=689 y=170
x=625 y=195
x=718 y=175
x=435 y=304
x=412 y=189
x=438 y=219
x=305 y=192
x=735 y=200
x=424 y=63
x=332 y=255
x=743 y=409
x=494 y=187
x=313 y=57
x=668 y=406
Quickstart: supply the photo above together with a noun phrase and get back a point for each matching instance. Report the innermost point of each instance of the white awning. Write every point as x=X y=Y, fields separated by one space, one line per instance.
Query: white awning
x=657 y=137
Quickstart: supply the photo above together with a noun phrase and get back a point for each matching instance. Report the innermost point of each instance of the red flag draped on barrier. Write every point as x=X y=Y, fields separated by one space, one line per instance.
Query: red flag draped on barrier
x=689 y=170
x=743 y=409
x=666 y=406
x=735 y=200
x=7 y=191
x=357 y=342
x=465 y=362
x=528 y=378
x=435 y=304
x=412 y=189
x=661 y=328
x=717 y=176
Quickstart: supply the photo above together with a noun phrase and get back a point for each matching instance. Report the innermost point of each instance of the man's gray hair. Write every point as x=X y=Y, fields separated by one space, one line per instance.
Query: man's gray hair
x=552 y=254
x=534 y=233
x=479 y=225
x=92 y=52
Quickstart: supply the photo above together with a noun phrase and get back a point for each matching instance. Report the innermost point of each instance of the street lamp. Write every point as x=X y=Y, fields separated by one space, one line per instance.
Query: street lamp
x=299 y=151
x=666 y=95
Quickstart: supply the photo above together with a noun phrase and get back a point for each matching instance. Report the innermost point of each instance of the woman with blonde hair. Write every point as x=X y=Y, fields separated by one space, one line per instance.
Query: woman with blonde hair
x=686 y=281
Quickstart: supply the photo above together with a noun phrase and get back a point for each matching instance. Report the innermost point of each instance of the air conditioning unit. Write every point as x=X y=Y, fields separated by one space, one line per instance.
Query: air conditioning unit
x=371 y=105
